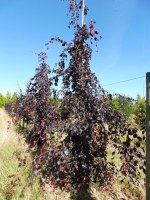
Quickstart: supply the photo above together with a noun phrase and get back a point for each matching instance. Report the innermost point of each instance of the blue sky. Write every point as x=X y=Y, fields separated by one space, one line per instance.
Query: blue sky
x=26 y=25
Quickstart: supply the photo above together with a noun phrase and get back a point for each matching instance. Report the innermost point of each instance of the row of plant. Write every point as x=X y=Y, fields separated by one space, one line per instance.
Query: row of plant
x=135 y=110
x=71 y=138
x=5 y=99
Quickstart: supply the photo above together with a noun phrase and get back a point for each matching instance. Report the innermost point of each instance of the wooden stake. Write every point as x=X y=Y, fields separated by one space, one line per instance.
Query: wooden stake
x=83 y=5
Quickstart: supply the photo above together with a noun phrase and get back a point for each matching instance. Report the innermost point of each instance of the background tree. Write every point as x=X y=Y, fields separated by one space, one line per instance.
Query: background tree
x=14 y=97
x=123 y=105
x=8 y=97
x=2 y=101
x=140 y=110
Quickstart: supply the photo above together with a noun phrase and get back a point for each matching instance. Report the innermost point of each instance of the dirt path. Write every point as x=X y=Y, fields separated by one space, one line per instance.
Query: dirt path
x=5 y=122
x=8 y=132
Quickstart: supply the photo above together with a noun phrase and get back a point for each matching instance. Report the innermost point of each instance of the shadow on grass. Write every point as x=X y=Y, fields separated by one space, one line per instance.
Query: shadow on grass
x=82 y=195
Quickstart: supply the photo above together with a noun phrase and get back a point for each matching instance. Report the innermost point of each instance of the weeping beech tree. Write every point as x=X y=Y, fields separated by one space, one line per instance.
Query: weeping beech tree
x=73 y=141
x=76 y=160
